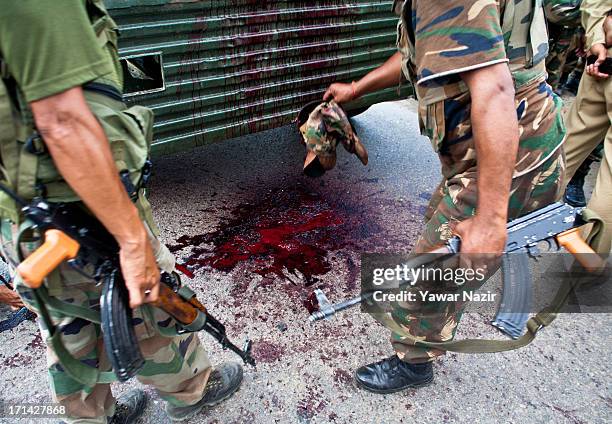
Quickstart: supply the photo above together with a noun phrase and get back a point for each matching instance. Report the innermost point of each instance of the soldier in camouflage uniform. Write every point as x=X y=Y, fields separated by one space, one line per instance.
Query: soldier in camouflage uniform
x=475 y=66
x=61 y=79
x=563 y=18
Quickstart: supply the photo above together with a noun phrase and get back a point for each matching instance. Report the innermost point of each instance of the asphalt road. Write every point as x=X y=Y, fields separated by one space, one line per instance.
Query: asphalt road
x=259 y=237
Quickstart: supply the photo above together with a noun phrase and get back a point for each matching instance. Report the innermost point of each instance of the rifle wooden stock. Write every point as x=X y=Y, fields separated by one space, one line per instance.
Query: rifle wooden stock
x=174 y=305
x=573 y=242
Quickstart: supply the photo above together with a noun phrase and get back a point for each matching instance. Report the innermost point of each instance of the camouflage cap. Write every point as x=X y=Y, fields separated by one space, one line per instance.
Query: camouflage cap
x=323 y=126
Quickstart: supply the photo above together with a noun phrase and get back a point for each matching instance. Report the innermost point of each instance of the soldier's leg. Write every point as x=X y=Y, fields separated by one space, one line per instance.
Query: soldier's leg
x=83 y=403
x=178 y=367
x=574 y=192
x=601 y=199
x=436 y=198
x=573 y=79
x=588 y=123
x=559 y=47
x=529 y=192
x=571 y=58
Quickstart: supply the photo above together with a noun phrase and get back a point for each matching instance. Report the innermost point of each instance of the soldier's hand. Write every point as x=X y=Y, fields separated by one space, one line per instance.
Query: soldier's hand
x=601 y=52
x=340 y=92
x=483 y=241
x=140 y=270
x=10 y=297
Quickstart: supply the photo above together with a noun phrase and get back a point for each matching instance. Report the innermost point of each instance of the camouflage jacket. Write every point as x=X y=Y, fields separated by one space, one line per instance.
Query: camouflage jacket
x=439 y=40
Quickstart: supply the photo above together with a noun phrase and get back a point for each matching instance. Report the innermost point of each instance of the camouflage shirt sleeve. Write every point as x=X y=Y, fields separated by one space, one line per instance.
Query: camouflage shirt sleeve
x=456 y=36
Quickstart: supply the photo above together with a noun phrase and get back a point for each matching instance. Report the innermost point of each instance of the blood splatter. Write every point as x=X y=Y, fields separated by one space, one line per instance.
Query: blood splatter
x=266 y=352
x=288 y=233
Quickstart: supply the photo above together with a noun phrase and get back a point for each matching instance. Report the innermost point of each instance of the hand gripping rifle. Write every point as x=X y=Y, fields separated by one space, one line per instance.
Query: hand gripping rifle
x=72 y=234
x=556 y=225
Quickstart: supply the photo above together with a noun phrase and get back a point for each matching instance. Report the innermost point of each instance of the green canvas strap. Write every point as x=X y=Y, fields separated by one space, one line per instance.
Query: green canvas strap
x=186 y=293
x=28 y=169
x=65 y=309
x=77 y=370
x=542 y=319
x=48 y=305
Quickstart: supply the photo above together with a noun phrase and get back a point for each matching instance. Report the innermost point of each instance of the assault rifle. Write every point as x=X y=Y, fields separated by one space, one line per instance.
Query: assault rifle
x=72 y=234
x=556 y=226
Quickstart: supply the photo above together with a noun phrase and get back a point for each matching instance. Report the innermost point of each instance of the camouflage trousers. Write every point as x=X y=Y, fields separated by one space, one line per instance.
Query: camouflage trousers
x=177 y=367
x=456 y=200
x=563 y=40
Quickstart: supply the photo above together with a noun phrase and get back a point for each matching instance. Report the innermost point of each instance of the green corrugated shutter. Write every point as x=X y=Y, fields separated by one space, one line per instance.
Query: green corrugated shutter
x=238 y=67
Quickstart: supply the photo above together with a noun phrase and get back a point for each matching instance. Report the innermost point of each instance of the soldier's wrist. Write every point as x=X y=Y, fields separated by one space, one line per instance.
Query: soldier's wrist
x=132 y=232
x=492 y=218
x=356 y=91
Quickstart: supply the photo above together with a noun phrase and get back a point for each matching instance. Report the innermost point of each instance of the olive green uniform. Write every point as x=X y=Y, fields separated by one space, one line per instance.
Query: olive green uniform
x=588 y=122
x=438 y=40
x=47 y=48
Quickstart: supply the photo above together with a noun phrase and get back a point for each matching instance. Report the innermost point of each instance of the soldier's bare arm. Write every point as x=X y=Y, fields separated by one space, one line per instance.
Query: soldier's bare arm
x=496 y=135
x=81 y=152
x=387 y=75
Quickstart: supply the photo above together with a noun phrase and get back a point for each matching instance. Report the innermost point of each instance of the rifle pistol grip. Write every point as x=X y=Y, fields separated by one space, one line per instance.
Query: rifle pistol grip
x=57 y=248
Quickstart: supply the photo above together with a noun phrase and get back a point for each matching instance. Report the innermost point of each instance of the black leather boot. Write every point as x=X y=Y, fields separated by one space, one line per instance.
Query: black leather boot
x=574 y=192
x=572 y=83
x=129 y=407
x=393 y=375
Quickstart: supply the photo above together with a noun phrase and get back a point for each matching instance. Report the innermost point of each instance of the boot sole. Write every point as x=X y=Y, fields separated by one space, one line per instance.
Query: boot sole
x=389 y=391
x=204 y=406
